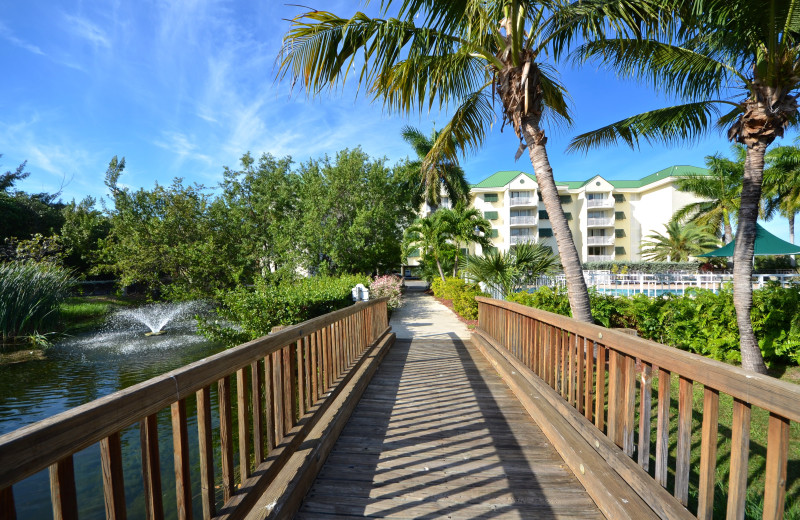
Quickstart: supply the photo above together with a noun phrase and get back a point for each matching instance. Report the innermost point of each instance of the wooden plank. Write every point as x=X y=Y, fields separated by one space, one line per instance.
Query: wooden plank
x=759 y=390
x=35 y=447
x=588 y=404
x=740 y=451
x=277 y=395
x=315 y=371
x=63 y=495
x=683 y=454
x=206 y=450
x=8 y=510
x=287 y=392
x=628 y=387
x=269 y=404
x=292 y=385
x=256 y=384
x=243 y=422
x=600 y=389
x=113 y=481
x=662 y=427
x=708 y=454
x=580 y=354
x=645 y=407
x=180 y=454
x=777 y=459
x=226 y=437
x=151 y=467
x=614 y=423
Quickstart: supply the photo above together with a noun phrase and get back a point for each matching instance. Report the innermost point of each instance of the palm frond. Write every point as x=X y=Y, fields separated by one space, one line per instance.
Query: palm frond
x=666 y=125
x=555 y=97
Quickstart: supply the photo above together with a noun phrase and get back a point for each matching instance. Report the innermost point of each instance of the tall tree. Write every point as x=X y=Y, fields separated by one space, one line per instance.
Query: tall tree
x=432 y=177
x=678 y=243
x=430 y=235
x=507 y=271
x=466 y=226
x=720 y=191
x=782 y=185
x=465 y=54
x=734 y=62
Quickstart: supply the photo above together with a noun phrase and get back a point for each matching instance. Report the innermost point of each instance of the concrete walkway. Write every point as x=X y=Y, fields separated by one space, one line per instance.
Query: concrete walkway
x=422 y=317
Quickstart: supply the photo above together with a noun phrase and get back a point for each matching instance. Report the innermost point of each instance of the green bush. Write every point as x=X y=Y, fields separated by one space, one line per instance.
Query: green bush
x=700 y=321
x=246 y=314
x=642 y=267
x=30 y=294
x=461 y=293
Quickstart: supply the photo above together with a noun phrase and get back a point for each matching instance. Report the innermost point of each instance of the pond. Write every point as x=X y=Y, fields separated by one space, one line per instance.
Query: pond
x=82 y=369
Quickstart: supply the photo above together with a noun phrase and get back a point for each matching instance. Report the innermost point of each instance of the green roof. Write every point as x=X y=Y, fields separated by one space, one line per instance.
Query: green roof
x=500 y=179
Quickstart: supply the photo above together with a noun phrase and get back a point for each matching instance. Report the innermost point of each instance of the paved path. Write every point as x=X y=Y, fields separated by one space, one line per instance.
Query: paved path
x=423 y=317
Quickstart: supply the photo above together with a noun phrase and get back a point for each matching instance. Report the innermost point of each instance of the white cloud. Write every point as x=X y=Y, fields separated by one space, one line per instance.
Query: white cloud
x=6 y=33
x=87 y=30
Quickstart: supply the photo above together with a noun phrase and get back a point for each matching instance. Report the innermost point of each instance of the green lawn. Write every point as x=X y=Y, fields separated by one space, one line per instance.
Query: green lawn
x=81 y=313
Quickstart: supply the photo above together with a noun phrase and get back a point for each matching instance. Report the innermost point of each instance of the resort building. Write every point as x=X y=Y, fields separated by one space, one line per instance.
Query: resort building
x=608 y=218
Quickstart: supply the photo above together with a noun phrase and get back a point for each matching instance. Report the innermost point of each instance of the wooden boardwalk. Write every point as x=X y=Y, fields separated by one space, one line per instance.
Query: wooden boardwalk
x=438 y=434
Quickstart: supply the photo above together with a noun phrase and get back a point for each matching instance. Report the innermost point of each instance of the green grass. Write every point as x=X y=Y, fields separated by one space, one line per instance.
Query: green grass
x=82 y=313
x=758 y=451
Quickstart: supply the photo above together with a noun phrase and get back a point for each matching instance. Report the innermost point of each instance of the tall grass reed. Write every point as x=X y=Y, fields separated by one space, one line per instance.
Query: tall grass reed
x=30 y=294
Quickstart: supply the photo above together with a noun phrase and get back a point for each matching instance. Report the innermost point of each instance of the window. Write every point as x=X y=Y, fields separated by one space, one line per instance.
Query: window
x=597 y=232
x=619 y=215
x=464 y=251
x=490 y=215
x=619 y=197
x=490 y=197
x=520 y=194
x=543 y=215
x=414 y=254
x=596 y=214
x=565 y=199
x=489 y=249
x=619 y=251
x=521 y=213
x=521 y=232
x=545 y=232
x=568 y=215
x=492 y=233
x=595 y=196
x=619 y=233
x=596 y=250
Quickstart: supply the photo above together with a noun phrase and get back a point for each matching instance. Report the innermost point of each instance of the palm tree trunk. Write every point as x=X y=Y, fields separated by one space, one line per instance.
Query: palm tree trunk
x=791 y=237
x=439 y=265
x=743 y=257
x=726 y=226
x=570 y=260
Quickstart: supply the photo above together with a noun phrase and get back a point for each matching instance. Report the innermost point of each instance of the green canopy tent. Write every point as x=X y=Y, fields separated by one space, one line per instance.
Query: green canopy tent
x=766 y=244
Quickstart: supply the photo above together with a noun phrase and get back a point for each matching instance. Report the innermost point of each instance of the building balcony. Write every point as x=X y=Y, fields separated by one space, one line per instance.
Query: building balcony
x=600 y=222
x=528 y=220
x=524 y=201
x=600 y=203
x=600 y=241
x=600 y=258
x=522 y=239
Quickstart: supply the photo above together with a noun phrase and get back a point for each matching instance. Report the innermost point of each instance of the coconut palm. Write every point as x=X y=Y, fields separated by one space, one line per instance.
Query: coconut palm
x=733 y=62
x=782 y=185
x=464 y=54
x=679 y=243
x=466 y=226
x=720 y=191
x=430 y=236
x=431 y=178
x=506 y=272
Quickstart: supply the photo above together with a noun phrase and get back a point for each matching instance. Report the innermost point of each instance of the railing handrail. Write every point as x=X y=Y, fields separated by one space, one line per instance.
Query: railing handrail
x=35 y=447
x=759 y=390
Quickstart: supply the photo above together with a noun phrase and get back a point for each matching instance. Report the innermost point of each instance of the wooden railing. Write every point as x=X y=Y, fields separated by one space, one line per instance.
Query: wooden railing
x=606 y=377
x=284 y=383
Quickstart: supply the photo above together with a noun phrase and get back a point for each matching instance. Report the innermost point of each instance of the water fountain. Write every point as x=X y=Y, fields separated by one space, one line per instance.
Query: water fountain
x=157 y=315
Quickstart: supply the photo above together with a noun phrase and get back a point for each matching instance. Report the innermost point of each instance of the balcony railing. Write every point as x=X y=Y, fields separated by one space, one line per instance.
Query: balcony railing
x=600 y=222
x=600 y=241
x=524 y=220
x=524 y=201
x=599 y=258
x=600 y=203
x=522 y=239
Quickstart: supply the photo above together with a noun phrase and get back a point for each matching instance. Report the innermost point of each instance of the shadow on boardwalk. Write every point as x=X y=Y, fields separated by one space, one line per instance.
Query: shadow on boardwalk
x=439 y=435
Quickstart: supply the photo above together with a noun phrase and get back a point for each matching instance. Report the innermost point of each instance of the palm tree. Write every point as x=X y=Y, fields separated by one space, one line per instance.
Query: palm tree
x=782 y=185
x=734 y=62
x=466 y=226
x=679 y=243
x=721 y=191
x=465 y=54
x=508 y=271
x=429 y=235
x=433 y=177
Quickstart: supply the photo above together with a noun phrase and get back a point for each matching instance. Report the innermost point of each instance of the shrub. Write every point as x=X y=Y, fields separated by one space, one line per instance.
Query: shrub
x=390 y=286
x=30 y=294
x=548 y=299
x=246 y=314
x=642 y=267
x=461 y=293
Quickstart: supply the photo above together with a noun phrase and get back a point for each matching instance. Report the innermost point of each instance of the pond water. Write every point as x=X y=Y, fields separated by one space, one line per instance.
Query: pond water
x=84 y=368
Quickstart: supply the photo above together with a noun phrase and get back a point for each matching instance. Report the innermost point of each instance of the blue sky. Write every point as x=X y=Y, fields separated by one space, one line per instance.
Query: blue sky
x=182 y=88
